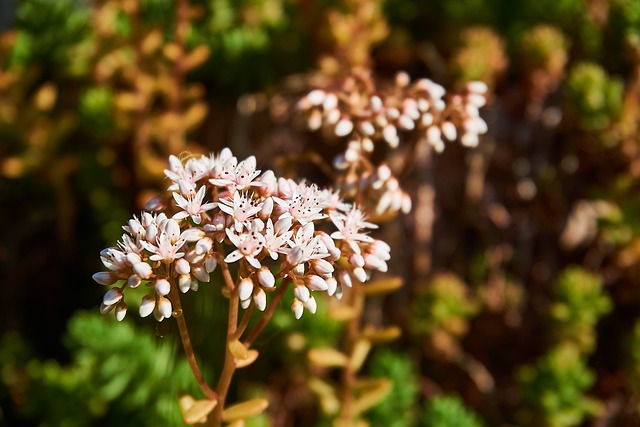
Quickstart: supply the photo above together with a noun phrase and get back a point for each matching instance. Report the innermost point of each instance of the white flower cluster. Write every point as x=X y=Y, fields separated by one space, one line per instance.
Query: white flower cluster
x=266 y=224
x=364 y=114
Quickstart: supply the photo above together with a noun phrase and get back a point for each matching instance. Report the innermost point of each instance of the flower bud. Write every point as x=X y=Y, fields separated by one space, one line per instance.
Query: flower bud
x=147 y=305
x=360 y=274
x=260 y=299
x=316 y=283
x=267 y=208
x=134 y=281
x=184 y=283
x=297 y=308
x=245 y=288
x=316 y=97
x=112 y=296
x=182 y=266
x=210 y=263
x=133 y=258
x=332 y=286
x=104 y=309
x=245 y=304
x=311 y=305
x=143 y=270
x=344 y=278
x=266 y=278
x=343 y=127
x=356 y=260
x=204 y=245
x=163 y=287
x=295 y=256
x=201 y=274
x=449 y=131
x=121 y=311
x=322 y=267
x=105 y=278
x=164 y=307
x=301 y=292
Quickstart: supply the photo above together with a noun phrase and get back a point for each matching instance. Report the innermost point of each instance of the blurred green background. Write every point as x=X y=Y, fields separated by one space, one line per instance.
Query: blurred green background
x=521 y=309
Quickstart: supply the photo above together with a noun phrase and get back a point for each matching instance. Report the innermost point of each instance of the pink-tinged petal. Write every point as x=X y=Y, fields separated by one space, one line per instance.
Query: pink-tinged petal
x=156 y=258
x=208 y=206
x=200 y=195
x=196 y=218
x=235 y=239
x=254 y=262
x=220 y=182
x=337 y=235
x=225 y=208
x=180 y=215
x=238 y=226
x=233 y=256
x=181 y=201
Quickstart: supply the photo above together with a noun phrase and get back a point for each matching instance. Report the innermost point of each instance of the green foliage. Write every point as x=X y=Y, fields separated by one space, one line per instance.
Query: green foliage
x=579 y=302
x=448 y=411
x=119 y=374
x=444 y=303
x=554 y=389
x=594 y=96
x=63 y=22
x=398 y=408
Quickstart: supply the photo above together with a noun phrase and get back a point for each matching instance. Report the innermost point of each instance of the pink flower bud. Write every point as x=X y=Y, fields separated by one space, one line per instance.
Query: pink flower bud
x=295 y=256
x=449 y=131
x=104 y=309
x=330 y=102
x=344 y=278
x=316 y=283
x=316 y=97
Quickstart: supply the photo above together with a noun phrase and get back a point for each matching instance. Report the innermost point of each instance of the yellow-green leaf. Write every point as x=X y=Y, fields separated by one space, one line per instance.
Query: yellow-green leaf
x=244 y=410
x=326 y=393
x=195 y=411
x=238 y=350
x=327 y=357
x=382 y=335
x=373 y=395
x=383 y=286
x=251 y=357
x=360 y=353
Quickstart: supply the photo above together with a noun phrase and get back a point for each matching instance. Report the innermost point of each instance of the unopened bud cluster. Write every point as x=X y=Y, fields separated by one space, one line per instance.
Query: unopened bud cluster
x=364 y=114
x=225 y=211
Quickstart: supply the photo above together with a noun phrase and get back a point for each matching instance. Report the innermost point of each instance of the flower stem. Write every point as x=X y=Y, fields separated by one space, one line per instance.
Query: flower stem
x=348 y=374
x=268 y=313
x=244 y=322
x=188 y=348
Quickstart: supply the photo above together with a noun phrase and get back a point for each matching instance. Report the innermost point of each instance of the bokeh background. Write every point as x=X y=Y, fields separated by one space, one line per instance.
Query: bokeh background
x=520 y=258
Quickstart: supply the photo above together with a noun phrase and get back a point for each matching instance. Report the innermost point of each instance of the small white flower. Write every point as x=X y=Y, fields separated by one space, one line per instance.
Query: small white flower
x=349 y=225
x=249 y=245
x=193 y=207
x=242 y=208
